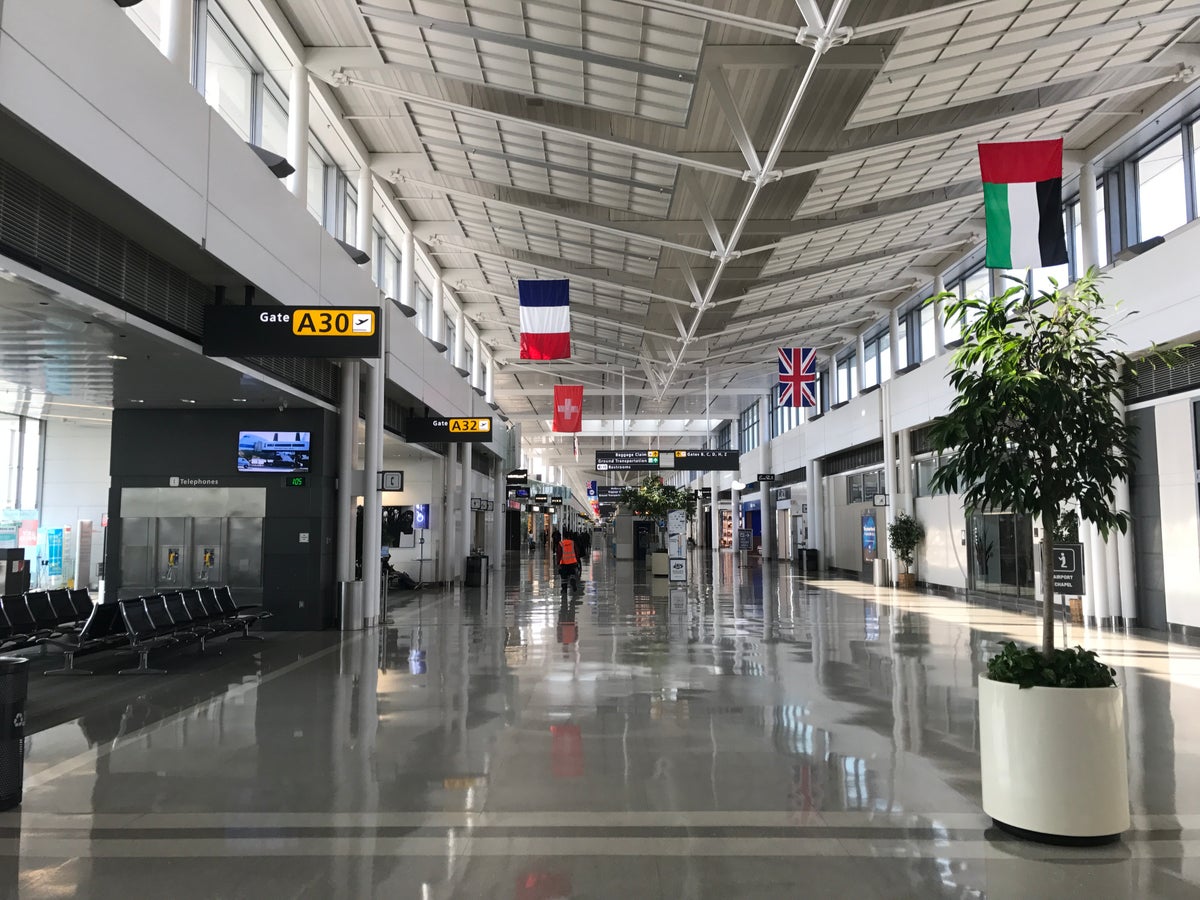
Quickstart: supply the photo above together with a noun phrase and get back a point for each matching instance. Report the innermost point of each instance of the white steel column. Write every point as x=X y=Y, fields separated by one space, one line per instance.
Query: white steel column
x=476 y=366
x=816 y=511
x=446 y=551
x=499 y=515
x=889 y=474
x=1104 y=611
x=904 y=479
x=1126 y=574
x=489 y=380
x=175 y=39
x=347 y=496
x=372 y=498
x=1089 y=250
x=466 y=537
x=297 y=137
x=366 y=203
x=735 y=506
x=408 y=252
x=1090 y=611
x=766 y=488
x=457 y=354
x=860 y=352
x=894 y=338
x=437 y=328
x=939 y=318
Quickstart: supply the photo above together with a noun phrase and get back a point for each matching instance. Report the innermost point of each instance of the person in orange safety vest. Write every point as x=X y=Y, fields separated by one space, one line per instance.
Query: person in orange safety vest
x=568 y=561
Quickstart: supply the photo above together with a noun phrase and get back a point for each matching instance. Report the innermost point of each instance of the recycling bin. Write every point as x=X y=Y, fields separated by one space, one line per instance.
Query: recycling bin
x=14 y=687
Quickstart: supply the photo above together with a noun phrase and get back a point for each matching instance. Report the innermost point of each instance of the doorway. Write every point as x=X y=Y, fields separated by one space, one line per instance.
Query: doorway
x=1001 y=554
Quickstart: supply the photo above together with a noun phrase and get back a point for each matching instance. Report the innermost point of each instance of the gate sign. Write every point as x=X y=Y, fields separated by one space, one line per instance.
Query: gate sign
x=317 y=331
x=441 y=429
x=1068 y=569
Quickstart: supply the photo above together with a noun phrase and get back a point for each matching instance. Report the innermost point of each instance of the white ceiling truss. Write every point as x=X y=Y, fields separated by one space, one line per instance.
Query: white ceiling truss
x=715 y=178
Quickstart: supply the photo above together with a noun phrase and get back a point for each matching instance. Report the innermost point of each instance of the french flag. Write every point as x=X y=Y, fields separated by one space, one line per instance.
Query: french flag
x=545 y=319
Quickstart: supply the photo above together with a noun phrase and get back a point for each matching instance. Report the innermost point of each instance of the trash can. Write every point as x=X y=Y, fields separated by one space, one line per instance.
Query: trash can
x=808 y=560
x=14 y=687
x=350 y=605
x=476 y=572
x=879 y=572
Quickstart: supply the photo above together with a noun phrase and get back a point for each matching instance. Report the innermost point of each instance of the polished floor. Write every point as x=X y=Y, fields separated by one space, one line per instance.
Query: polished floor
x=751 y=734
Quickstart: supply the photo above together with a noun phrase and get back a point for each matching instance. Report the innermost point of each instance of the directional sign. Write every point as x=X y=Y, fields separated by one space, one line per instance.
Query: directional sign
x=516 y=477
x=1068 y=569
x=556 y=501
x=308 y=331
x=708 y=460
x=626 y=460
x=766 y=476
x=610 y=493
x=541 y=498
x=468 y=430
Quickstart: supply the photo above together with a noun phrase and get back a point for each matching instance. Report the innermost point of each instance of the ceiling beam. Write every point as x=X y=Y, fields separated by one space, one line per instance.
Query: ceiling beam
x=532 y=45
x=790 y=56
x=624 y=146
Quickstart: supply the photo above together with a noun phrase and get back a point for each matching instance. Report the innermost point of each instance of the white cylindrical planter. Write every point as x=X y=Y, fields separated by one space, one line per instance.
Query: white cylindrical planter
x=1053 y=760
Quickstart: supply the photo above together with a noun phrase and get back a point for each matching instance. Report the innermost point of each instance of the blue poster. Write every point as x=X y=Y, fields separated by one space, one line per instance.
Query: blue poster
x=421 y=516
x=54 y=551
x=868 y=537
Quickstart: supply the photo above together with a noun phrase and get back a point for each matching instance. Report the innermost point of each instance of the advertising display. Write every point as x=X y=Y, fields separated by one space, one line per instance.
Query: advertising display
x=273 y=451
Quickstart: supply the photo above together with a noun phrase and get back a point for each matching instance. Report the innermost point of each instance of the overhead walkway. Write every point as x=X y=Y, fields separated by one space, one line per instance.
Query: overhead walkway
x=765 y=736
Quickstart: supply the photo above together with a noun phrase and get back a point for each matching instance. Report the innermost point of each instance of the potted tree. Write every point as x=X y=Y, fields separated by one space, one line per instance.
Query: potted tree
x=904 y=534
x=654 y=500
x=1033 y=429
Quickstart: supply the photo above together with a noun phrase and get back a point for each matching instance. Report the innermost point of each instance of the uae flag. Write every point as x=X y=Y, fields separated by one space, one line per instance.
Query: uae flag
x=545 y=319
x=568 y=407
x=1022 y=197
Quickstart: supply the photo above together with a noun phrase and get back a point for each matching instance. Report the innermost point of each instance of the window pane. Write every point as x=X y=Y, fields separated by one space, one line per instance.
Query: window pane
x=1102 y=228
x=1162 y=204
x=870 y=363
x=274 y=125
x=350 y=219
x=227 y=80
x=928 y=327
x=902 y=336
x=316 y=184
x=855 y=487
x=885 y=356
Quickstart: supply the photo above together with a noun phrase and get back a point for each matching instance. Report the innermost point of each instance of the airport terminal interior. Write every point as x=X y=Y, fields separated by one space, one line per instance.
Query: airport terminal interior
x=323 y=321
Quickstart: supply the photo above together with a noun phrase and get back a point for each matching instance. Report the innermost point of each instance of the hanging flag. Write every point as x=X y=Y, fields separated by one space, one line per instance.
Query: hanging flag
x=1022 y=198
x=797 y=376
x=568 y=407
x=545 y=319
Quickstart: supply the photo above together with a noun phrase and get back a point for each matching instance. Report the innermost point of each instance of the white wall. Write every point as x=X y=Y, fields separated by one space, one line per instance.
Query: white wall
x=1177 y=499
x=941 y=558
x=422 y=484
x=75 y=479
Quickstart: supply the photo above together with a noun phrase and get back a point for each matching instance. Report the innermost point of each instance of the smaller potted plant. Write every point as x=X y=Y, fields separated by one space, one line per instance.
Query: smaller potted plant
x=904 y=534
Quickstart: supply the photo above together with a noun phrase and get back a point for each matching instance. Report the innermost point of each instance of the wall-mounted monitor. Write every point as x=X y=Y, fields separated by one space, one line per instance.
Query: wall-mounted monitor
x=274 y=451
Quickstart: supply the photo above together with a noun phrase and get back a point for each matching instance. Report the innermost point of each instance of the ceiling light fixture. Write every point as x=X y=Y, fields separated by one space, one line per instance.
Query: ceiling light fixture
x=240 y=400
x=137 y=401
x=117 y=356
x=186 y=400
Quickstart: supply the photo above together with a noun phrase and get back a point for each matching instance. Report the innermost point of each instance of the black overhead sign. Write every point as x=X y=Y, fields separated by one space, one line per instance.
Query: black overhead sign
x=556 y=501
x=626 y=460
x=517 y=477
x=311 y=331
x=609 y=492
x=1068 y=569
x=541 y=498
x=766 y=476
x=708 y=460
x=443 y=429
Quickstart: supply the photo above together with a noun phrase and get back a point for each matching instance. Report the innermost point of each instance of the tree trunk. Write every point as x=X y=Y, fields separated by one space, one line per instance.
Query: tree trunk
x=1049 y=517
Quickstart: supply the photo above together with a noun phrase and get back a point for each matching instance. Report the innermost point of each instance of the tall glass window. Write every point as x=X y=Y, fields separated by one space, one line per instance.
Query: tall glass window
x=350 y=215
x=748 y=428
x=316 y=182
x=724 y=438
x=847 y=378
x=1162 y=198
x=274 y=125
x=928 y=339
x=424 y=309
x=228 y=80
x=20 y=459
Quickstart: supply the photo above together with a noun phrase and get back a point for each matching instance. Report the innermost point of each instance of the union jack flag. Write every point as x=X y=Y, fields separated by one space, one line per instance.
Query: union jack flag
x=797 y=376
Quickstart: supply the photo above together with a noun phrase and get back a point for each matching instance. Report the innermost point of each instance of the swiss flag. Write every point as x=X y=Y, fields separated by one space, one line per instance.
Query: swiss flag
x=568 y=407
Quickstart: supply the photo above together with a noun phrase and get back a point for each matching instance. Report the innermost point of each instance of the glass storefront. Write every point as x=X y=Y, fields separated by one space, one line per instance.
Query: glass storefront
x=1001 y=554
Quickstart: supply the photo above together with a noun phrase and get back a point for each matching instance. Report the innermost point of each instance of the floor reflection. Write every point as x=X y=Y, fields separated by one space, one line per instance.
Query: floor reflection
x=741 y=734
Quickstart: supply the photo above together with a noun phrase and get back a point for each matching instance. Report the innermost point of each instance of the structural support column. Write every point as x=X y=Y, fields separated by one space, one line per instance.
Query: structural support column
x=889 y=473
x=366 y=211
x=735 y=506
x=347 y=496
x=372 y=498
x=467 y=538
x=458 y=354
x=1104 y=611
x=904 y=479
x=1126 y=573
x=437 y=328
x=816 y=512
x=175 y=39
x=408 y=252
x=714 y=526
x=476 y=366
x=939 y=318
x=297 y=136
x=446 y=551
x=860 y=352
x=894 y=338
x=1089 y=249
x=499 y=515
x=1091 y=613
x=489 y=380
x=766 y=489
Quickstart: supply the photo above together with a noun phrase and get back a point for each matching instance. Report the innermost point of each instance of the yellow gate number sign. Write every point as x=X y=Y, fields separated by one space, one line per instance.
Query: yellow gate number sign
x=333 y=322
x=462 y=426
